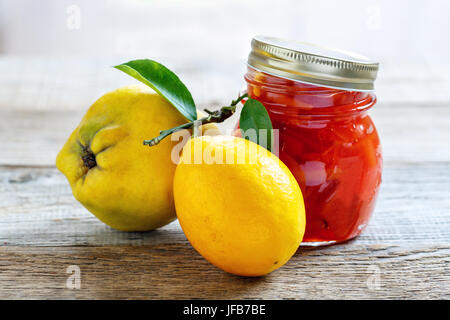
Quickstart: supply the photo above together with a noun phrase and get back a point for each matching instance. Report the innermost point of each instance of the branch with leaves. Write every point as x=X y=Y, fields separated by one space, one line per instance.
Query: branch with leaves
x=166 y=83
x=213 y=117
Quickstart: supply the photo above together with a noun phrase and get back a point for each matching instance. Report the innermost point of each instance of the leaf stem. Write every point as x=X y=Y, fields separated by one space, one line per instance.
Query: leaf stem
x=213 y=117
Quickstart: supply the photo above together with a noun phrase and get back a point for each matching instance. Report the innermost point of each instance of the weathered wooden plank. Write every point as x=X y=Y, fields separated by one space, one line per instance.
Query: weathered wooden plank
x=413 y=133
x=63 y=84
x=38 y=209
x=176 y=271
x=42 y=83
x=34 y=138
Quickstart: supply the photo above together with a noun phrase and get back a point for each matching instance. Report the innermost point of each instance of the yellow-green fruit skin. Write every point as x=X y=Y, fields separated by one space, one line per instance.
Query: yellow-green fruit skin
x=130 y=188
x=247 y=219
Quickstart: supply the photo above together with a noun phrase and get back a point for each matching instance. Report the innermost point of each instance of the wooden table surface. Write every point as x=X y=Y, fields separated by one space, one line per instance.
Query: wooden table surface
x=404 y=252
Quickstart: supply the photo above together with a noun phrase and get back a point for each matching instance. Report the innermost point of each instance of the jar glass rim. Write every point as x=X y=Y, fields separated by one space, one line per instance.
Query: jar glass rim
x=314 y=86
x=362 y=100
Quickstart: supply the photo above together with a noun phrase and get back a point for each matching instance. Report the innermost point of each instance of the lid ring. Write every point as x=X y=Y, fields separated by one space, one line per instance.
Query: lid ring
x=313 y=64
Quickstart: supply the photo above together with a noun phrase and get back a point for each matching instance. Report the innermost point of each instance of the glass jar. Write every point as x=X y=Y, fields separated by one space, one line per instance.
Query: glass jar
x=326 y=138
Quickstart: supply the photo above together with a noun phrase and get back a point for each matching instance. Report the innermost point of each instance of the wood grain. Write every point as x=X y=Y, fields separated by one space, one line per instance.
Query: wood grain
x=33 y=138
x=38 y=209
x=73 y=83
x=176 y=271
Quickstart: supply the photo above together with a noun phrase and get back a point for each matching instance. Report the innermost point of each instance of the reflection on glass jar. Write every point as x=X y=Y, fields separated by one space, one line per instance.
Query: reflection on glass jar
x=318 y=99
x=330 y=144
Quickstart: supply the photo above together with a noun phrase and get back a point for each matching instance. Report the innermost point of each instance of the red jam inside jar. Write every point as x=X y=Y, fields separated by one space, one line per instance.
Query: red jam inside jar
x=330 y=144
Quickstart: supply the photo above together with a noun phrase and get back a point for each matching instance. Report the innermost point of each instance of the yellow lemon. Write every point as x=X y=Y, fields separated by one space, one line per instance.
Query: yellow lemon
x=238 y=204
x=123 y=183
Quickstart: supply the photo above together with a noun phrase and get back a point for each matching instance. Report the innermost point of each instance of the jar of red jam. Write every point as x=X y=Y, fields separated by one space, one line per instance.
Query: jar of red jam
x=319 y=100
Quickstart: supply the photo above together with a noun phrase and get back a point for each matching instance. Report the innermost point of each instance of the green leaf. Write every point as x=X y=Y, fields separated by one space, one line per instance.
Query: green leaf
x=164 y=82
x=255 y=116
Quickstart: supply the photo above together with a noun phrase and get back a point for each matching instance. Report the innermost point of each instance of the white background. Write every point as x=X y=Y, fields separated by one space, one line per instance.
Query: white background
x=410 y=38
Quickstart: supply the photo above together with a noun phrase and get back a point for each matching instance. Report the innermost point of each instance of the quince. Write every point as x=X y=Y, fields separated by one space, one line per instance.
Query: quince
x=124 y=184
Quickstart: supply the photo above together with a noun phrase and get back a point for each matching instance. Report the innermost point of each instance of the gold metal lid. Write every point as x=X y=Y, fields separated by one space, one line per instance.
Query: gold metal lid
x=312 y=64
